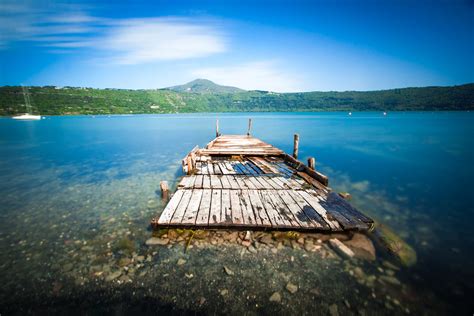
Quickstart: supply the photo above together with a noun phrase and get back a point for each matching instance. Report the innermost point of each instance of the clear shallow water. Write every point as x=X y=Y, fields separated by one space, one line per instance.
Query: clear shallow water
x=77 y=194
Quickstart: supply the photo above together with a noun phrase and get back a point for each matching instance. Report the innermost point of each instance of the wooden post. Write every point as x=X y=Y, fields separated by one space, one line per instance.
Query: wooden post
x=295 y=146
x=250 y=127
x=164 y=190
x=311 y=163
x=217 y=127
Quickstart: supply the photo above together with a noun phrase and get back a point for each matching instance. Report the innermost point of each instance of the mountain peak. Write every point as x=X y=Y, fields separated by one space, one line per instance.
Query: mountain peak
x=204 y=86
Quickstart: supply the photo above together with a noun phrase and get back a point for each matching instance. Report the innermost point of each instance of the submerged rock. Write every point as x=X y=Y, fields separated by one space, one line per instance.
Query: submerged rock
x=112 y=276
x=292 y=288
x=228 y=271
x=276 y=297
x=340 y=248
x=333 y=310
x=403 y=252
x=152 y=204
x=362 y=247
x=157 y=241
x=181 y=261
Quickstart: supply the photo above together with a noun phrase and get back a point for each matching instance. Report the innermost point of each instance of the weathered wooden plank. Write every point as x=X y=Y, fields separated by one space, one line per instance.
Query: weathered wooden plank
x=249 y=183
x=263 y=182
x=217 y=169
x=170 y=208
x=295 y=209
x=237 y=218
x=210 y=168
x=225 y=182
x=336 y=199
x=278 y=181
x=204 y=208
x=216 y=182
x=255 y=168
x=259 y=209
x=308 y=209
x=215 y=211
x=273 y=184
x=282 y=209
x=248 y=166
x=274 y=216
x=234 y=185
x=256 y=183
x=313 y=181
x=240 y=181
x=226 y=210
x=206 y=182
x=204 y=168
x=257 y=161
x=183 y=205
x=322 y=212
x=346 y=219
x=223 y=168
x=198 y=181
x=248 y=215
x=229 y=167
x=198 y=166
x=191 y=211
x=184 y=182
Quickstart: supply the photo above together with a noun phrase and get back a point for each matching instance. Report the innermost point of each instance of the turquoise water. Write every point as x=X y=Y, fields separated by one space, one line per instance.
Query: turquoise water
x=75 y=189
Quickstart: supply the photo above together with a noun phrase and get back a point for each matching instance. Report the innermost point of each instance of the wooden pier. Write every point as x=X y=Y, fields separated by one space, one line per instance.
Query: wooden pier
x=241 y=182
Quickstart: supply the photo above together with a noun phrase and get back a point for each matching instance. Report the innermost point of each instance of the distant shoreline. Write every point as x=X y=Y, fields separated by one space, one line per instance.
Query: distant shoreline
x=354 y=113
x=85 y=101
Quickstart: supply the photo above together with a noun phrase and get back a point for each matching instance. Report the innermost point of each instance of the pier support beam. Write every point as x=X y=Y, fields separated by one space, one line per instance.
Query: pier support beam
x=295 y=146
x=164 y=190
x=250 y=127
x=217 y=127
x=311 y=163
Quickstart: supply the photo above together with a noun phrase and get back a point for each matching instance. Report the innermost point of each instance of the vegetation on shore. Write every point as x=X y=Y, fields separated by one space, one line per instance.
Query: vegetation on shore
x=209 y=97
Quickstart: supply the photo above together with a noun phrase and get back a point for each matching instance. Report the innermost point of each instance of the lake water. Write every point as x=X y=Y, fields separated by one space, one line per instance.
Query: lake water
x=77 y=193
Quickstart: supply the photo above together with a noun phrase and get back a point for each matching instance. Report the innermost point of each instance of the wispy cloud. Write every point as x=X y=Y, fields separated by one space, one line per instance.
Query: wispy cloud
x=123 y=41
x=143 y=40
x=262 y=75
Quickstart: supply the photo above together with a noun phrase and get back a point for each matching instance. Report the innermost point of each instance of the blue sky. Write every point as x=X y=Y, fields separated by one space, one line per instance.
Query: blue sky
x=269 y=45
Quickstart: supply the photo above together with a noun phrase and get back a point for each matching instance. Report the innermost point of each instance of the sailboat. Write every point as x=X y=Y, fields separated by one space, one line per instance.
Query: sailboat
x=27 y=116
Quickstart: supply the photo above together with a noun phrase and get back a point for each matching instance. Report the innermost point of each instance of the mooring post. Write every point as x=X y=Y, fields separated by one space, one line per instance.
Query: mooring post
x=311 y=163
x=217 y=127
x=164 y=189
x=250 y=127
x=295 y=146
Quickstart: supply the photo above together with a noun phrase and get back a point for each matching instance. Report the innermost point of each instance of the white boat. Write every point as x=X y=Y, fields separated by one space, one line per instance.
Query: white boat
x=27 y=116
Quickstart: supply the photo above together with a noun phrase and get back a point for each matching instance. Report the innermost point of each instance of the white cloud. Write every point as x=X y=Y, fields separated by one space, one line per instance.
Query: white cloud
x=123 y=41
x=260 y=75
x=145 y=40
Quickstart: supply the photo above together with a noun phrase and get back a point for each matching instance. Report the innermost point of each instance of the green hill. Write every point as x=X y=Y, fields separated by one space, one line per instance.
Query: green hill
x=51 y=100
x=203 y=86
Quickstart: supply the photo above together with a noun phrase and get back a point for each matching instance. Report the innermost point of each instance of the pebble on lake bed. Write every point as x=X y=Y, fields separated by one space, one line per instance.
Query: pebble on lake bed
x=157 y=241
x=276 y=297
x=292 y=288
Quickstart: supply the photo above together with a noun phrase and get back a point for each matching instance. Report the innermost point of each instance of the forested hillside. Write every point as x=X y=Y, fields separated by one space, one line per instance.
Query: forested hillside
x=69 y=100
